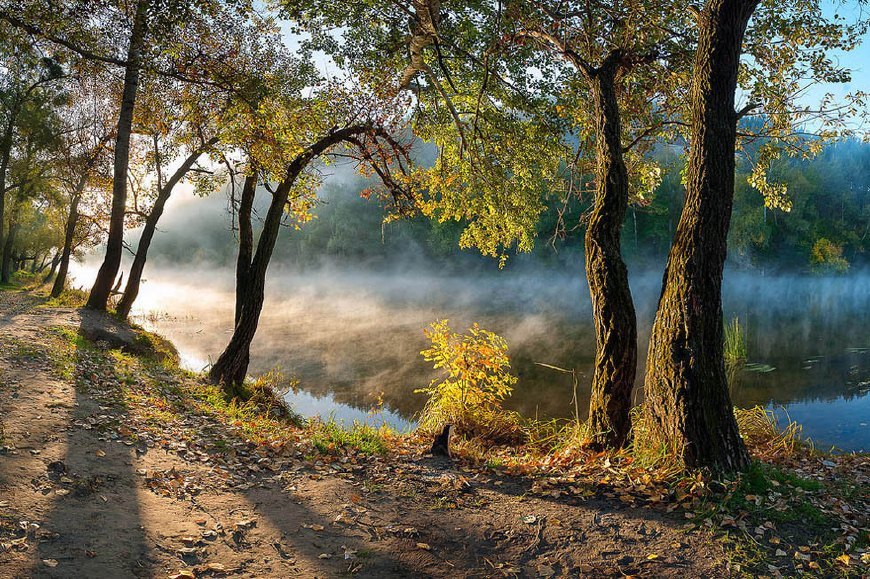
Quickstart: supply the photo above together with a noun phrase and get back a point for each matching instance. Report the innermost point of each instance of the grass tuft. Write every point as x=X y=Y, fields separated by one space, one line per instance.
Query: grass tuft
x=763 y=434
x=331 y=438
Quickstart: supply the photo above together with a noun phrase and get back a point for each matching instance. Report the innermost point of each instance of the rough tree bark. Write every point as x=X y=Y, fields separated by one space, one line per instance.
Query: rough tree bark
x=134 y=280
x=687 y=401
x=102 y=288
x=231 y=367
x=613 y=312
x=612 y=306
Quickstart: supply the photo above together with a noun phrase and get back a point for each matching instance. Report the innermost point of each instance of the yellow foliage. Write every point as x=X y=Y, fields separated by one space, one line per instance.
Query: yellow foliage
x=476 y=380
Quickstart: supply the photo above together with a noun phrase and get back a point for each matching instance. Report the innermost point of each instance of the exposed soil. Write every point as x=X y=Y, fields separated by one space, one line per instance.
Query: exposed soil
x=85 y=492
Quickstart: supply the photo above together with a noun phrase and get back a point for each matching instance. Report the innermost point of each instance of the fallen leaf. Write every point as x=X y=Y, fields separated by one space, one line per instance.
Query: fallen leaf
x=844 y=559
x=183 y=574
x=424 y=546
x=49 y=562
x=324 y=556
x=651 y=557
x=529 y=519
x=100 y=453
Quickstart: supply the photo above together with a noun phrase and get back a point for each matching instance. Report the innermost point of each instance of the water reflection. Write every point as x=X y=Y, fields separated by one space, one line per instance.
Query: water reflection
x=353 y=338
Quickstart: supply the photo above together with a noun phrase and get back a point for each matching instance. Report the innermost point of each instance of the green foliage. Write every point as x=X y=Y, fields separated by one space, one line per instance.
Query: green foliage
x=68 y=298
x=476 y=379
x=828 y=256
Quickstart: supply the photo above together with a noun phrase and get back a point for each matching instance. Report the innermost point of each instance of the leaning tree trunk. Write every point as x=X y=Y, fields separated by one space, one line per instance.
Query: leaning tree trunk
x=69 y=237
x=612 y=305
x=102 y=289
x=231 y=366
x=55 y=260
x=687 y=399
x=246 y=242
x=246 y=251
x=134 y=280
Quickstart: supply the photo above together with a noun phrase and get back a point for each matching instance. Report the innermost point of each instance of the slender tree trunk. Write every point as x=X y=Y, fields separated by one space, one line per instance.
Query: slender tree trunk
x=99 y=296
x=231 y=366
x=54 y=262
x=134 y=280
x=5 y=267
x=246 y=252
x=5 y=151
x=246 y=242
x=687 y=400
x=69 y=237
x=45 y=261
x=612 y=306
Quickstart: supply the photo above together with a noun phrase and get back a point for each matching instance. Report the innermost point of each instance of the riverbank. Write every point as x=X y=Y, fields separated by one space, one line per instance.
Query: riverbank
x=120 y=464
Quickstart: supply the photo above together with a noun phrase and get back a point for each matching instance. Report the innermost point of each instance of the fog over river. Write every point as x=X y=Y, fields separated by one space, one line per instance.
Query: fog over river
x=354 y=337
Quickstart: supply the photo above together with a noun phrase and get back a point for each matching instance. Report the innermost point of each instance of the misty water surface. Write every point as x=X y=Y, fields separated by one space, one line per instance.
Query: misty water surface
x=353 y=338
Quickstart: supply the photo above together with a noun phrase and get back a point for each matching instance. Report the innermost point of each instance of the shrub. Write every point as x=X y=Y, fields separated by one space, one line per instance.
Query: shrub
x=476 y=379
x=828 y=256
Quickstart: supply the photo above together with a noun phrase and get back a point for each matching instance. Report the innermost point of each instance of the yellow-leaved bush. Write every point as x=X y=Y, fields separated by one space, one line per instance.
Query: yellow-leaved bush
x=476 y=379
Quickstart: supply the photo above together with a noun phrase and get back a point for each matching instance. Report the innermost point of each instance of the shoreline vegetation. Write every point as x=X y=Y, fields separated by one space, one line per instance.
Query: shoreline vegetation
x=796 y=511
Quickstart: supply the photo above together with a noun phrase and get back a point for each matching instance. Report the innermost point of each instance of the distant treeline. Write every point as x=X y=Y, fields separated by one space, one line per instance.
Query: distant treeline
x=826 y=229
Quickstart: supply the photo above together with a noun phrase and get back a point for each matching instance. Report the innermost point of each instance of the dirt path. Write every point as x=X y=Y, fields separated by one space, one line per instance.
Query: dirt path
x=83 y=493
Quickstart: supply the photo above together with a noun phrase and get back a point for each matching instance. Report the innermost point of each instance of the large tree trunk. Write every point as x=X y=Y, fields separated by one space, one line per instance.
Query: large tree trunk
x=100 y=292
x=134 y=280
x=69 y=237
x=687 y=400
x=612 y=306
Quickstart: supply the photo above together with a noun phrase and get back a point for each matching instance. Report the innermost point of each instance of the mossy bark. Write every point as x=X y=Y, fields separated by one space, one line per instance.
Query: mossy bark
x=687 y=400
x=612 y=306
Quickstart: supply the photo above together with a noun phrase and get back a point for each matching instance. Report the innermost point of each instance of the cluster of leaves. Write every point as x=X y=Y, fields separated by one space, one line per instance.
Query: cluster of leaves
x=476 y=379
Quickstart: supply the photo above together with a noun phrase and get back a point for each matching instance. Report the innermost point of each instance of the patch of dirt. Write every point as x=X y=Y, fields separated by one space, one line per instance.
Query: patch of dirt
x=86 y=492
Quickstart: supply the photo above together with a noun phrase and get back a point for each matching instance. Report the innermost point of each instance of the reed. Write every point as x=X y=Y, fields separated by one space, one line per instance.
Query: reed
x=735 y=344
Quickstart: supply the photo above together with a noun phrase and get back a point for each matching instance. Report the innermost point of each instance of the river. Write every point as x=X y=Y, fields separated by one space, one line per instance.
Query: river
x=352 y=338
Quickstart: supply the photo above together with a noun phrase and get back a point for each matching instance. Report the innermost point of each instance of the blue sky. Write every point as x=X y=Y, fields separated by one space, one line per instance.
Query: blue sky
x=857 y=60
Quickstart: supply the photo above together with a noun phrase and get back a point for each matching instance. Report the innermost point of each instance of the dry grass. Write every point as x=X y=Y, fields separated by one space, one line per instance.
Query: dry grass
x=490 y=424
x=764 y=435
